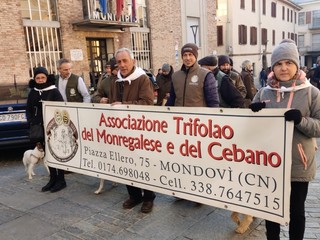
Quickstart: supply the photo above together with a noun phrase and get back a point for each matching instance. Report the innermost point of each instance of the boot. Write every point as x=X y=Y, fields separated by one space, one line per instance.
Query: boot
x=60 y=183
x=52 y=181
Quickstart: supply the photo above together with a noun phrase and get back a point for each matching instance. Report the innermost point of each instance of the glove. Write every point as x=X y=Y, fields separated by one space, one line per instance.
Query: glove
x=293 y=115
x=256 y=107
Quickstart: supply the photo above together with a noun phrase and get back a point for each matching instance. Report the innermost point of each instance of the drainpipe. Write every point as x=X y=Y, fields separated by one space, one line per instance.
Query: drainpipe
x=228 y=40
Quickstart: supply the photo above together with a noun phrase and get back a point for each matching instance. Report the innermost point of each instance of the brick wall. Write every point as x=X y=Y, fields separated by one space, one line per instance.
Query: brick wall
x=13 y=57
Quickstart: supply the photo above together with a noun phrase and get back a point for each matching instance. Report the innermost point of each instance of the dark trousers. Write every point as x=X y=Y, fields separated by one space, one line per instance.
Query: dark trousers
x=299 y=191
x=136 y=194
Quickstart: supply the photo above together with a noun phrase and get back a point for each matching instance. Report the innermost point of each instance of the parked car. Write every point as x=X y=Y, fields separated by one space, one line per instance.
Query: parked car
x=14 y=129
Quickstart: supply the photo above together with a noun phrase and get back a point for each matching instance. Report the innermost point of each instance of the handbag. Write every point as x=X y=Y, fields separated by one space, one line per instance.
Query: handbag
x=36 y=132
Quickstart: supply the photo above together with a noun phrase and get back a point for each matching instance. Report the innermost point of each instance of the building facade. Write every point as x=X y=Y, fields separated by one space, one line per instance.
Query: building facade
x=309 y=32
x=39 y=32
x=250 y=29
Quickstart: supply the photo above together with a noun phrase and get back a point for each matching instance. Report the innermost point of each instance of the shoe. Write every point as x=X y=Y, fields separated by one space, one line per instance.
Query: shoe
x=58 y=186
x=147 y=206
x=130 y=203
x=49 y=185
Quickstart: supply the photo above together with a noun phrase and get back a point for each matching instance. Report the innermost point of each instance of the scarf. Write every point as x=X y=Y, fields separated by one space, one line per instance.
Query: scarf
x=133 y=76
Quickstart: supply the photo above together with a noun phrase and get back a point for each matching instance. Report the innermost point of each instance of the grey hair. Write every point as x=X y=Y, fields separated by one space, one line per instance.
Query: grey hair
x=245 y=64
x=125 y=50
x=62 y=61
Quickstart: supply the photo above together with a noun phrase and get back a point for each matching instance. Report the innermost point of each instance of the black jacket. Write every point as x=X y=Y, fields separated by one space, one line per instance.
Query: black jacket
x=39 y=93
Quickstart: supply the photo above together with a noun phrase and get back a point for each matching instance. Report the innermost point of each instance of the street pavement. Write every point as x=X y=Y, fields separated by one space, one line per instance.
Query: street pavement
x=77 y=213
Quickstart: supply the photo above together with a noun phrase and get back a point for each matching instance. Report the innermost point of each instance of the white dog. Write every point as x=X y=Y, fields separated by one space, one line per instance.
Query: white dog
x=101 y=186
x=32 y=157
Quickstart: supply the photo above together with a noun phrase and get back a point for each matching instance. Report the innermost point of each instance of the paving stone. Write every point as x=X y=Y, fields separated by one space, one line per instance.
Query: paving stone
x=76 y=213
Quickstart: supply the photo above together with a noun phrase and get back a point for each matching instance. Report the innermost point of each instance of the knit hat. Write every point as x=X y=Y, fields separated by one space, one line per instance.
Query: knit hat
x=40 y=70
x=209 y=61
x=113 y=63
x=223 y=59
x=286 y=50
x=190 y=47
x=166 y=67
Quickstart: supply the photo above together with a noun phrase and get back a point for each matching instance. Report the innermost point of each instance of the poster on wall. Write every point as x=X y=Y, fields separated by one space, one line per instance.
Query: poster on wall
x=76 y=55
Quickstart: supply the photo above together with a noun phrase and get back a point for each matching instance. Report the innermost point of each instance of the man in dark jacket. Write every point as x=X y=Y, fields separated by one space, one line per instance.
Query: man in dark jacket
x=164 y=82
x=316 y=75
x=225 y=66
x=193 y=86
x=228 y=94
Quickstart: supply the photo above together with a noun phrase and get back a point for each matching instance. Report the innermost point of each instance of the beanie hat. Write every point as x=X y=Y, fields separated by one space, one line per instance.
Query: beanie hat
x=113 y=63
x=223 y=59
x=190 y=47
x=286 y=50
x=40 y=70
x=166 y=67
x=209 y=61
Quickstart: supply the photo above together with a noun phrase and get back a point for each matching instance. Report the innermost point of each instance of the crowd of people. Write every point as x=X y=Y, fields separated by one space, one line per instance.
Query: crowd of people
x=208 y=82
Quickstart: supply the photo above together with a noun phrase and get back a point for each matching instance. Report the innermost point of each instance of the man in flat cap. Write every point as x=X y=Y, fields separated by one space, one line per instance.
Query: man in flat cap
x=193 y=86
x=229 y=96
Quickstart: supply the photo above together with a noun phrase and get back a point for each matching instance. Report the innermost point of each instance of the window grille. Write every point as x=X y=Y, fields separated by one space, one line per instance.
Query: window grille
x=42 y=33
x=140 y=42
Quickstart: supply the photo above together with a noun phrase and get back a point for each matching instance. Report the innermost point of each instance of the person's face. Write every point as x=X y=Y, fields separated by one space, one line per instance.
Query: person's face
x=285 y=70
x=40 y=78
x=225 y=68
x=164 y=72
x=108 y=69
x=188 y=59
x=65 y=70
x=125 y=63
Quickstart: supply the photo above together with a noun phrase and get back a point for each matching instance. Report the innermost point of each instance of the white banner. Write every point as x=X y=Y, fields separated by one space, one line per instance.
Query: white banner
x=228 y=158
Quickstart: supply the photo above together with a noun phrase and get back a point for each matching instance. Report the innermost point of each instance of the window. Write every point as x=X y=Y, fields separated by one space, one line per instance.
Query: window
x=220 y=35
x=301 y=41
x=316 y=18
x=242 y=34
x=283 y=35
x=288 y=12
x=193 y=30
x=253 y=35
x=264 y=36
x=39 y=10
x=140 y=42
x=242 y=4
x=291 y=16
x=283 y=13
x=295 y=17
x=301 y=18
x=264 y=7
x=273 y=37
x=43 y=40
x=253 y=5
x=315 y=41
x=273 y=9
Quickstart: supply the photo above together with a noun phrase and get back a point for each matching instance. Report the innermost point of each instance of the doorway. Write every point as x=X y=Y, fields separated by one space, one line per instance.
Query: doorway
x=99 y=51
